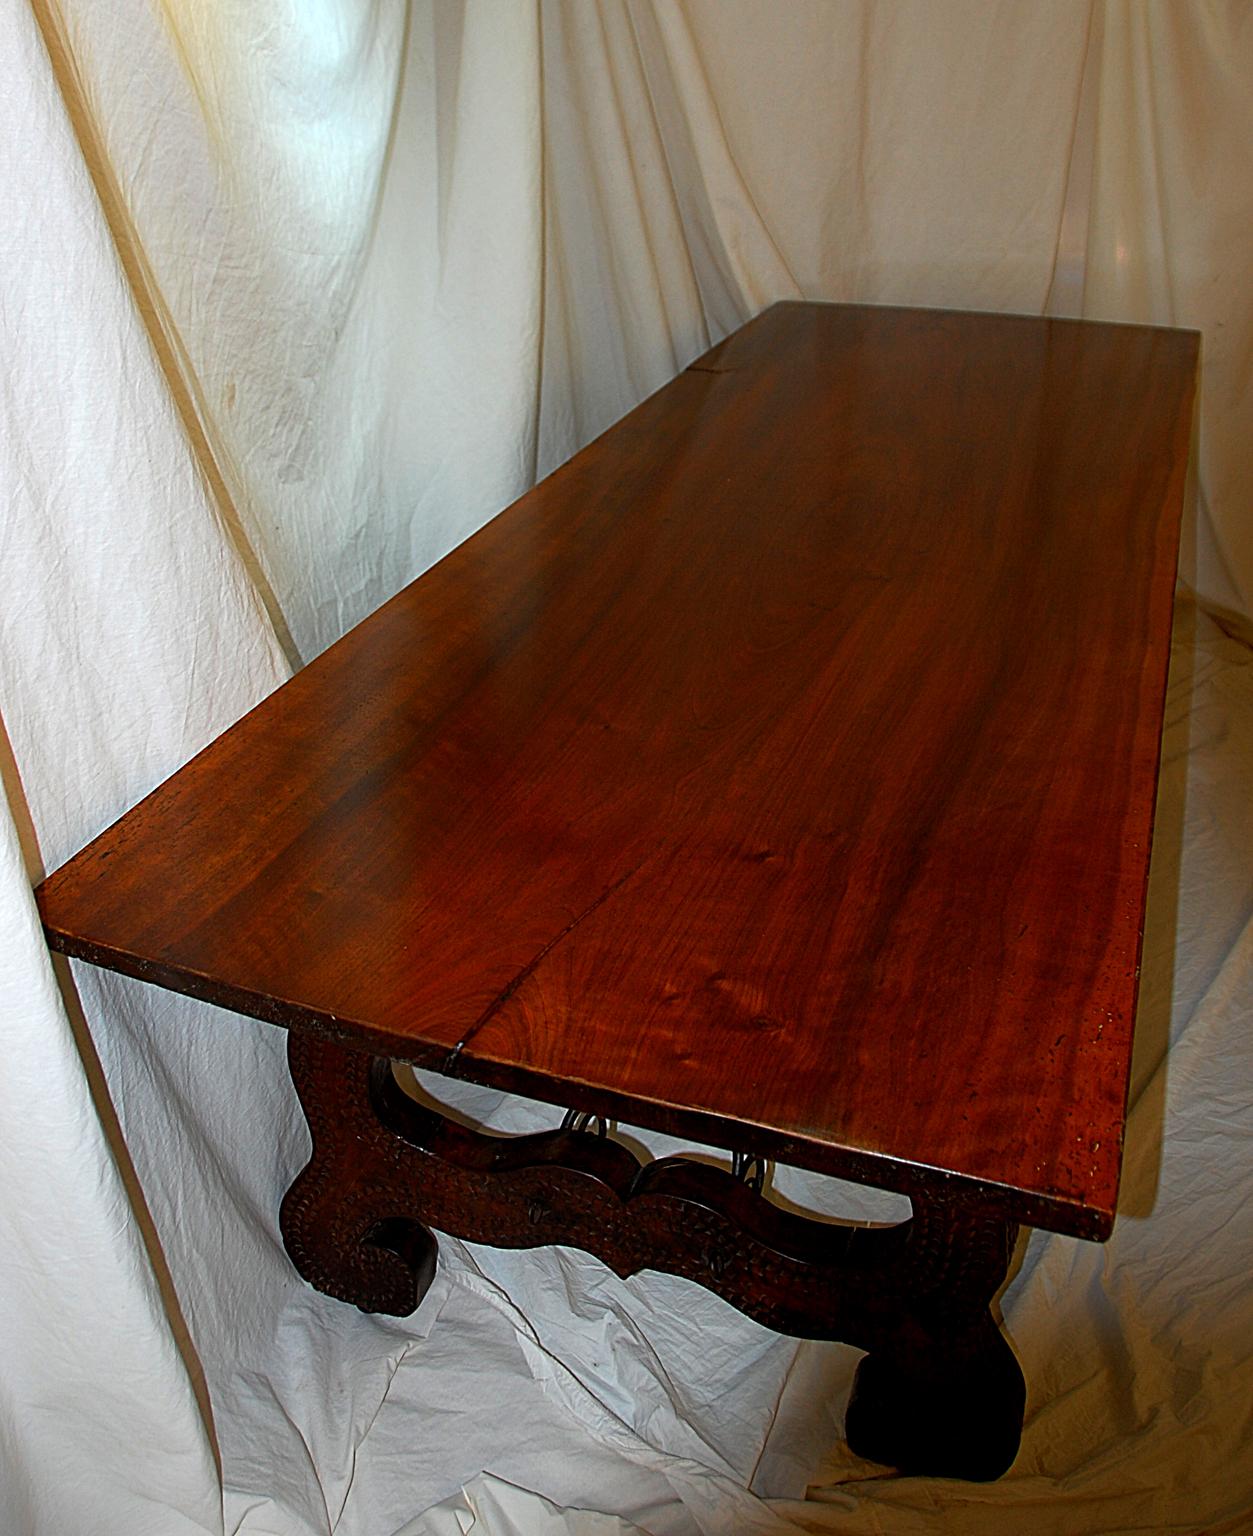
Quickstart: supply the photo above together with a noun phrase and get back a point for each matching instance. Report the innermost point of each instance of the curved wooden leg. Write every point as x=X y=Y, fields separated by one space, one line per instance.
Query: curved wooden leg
x=340 y=1220
x=942 y=1393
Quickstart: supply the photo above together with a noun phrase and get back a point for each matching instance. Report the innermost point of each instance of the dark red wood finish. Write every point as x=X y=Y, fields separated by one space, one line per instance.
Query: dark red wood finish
x=779 y=771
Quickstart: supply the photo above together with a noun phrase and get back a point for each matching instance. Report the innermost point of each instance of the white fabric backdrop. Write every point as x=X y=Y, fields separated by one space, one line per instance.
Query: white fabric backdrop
x=294 y=298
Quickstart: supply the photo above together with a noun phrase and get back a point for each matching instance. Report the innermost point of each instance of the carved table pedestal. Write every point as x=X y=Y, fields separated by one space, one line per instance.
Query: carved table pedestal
x=940 y=1390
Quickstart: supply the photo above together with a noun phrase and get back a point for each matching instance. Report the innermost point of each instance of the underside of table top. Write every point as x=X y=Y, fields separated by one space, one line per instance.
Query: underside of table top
x=779 y=771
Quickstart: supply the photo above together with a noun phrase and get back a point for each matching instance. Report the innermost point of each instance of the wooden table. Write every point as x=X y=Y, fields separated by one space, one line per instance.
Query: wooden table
x=779 y=773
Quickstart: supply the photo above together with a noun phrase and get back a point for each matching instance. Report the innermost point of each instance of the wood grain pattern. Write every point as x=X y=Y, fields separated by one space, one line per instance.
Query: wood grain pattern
x=779 y=771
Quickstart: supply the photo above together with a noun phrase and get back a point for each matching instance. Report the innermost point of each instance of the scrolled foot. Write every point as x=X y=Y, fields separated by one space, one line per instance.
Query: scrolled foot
x=378 y=1266
x=343 y=1219
x=412 y=1246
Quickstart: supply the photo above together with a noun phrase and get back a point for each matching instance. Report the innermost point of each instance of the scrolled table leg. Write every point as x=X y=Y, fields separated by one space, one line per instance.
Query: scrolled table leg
x=942 y=1394
x=340 y=1221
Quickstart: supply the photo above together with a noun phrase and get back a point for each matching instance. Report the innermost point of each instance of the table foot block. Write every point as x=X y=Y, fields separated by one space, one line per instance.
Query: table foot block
x=950 y=1408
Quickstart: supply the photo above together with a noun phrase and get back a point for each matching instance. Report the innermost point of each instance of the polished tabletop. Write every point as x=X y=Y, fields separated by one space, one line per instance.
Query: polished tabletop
x=780 y=771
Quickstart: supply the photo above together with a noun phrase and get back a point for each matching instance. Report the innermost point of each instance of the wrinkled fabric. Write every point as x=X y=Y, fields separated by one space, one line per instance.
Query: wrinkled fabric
x=127 y=635
x=407 y=258
x=294 y=299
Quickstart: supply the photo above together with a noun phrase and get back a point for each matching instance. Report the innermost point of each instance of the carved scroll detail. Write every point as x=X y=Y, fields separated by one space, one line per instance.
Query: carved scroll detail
x=384 y=1170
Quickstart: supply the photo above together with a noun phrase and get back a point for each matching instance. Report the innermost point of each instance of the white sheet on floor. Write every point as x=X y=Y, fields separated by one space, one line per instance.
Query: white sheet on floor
x=292 y=300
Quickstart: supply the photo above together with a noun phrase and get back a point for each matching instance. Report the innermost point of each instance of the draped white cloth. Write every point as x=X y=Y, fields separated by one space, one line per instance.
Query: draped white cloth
x=294 y=297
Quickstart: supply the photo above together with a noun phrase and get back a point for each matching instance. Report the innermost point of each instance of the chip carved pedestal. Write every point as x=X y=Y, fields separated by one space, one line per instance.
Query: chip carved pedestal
x=939 y=1391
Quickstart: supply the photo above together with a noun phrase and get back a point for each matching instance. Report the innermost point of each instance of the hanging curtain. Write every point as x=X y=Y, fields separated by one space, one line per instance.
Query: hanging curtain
x=294 y=298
